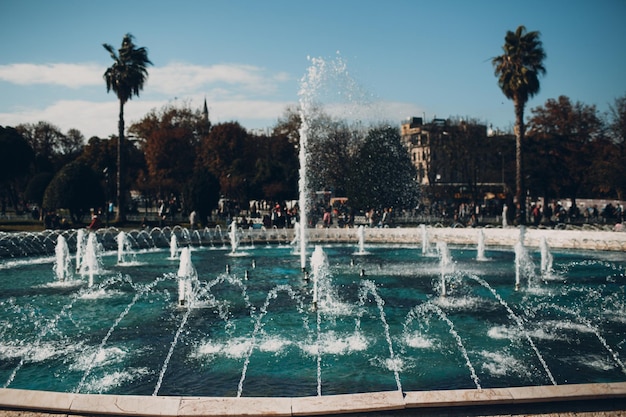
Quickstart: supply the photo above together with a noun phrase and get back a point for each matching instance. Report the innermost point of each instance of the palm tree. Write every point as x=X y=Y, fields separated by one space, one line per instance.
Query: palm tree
x=126 y=77
x=518 y=71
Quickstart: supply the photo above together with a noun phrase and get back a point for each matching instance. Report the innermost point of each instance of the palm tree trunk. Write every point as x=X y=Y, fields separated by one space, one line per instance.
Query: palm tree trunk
x=520 y=193
x=121 y=160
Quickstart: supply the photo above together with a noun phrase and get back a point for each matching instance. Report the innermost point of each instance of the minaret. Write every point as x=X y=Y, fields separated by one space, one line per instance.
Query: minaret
x=205 y=116
x=205 y=112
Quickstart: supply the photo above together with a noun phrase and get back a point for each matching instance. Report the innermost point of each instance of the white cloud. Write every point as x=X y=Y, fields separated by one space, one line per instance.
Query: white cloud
x=180 y=78
x=67 y=75
x=91 y=118
x=173 y=79
x=100 y=118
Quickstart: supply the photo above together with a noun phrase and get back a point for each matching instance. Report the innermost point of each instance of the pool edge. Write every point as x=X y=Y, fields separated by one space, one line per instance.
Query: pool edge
x=132 y=405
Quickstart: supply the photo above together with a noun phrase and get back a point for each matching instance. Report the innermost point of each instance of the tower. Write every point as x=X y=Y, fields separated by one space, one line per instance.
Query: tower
x=205 y=116
x=205 y=112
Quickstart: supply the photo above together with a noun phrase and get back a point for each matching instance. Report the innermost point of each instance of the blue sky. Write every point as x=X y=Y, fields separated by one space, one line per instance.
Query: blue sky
x=247 y=58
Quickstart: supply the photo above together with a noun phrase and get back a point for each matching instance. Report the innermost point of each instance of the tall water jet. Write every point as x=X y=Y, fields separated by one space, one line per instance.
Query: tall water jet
x=186 y=274
x=234 y=238
x=325 y=294
x=323 y=80
x=546 y=258
x=62 y=260
x=505 y=222
x=425 y=243
x=90 y=264
x=173 y=246
x=480 y=248
x=445 y=264
x=123 y=247
x=361 y=236
x=319 y=265
x=523 y=264
x=307 y=88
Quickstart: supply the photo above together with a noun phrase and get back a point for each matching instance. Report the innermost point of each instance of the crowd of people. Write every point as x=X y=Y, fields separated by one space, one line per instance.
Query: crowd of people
x=338 y=213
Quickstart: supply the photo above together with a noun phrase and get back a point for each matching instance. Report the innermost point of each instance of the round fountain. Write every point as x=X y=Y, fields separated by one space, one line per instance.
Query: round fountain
x=422 y=317
x=415 y=322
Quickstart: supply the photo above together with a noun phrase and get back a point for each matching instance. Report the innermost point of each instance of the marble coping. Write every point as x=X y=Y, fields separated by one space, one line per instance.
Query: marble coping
x=133 y=405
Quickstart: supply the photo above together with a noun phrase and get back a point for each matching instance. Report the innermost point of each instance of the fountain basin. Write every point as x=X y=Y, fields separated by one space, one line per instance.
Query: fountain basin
x=406 y=266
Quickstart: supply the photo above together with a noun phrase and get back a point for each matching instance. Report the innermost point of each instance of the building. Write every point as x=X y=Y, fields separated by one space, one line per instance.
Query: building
x=457 y=157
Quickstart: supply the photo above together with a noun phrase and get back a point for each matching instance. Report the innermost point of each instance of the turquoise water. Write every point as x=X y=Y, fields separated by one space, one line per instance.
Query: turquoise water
x=389 y=329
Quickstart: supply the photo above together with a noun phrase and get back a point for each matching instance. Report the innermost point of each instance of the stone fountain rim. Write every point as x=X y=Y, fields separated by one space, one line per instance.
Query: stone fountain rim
x=134 y=405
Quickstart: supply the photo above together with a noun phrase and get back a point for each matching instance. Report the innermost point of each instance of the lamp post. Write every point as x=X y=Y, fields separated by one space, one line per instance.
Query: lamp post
x=502 y=171
x=105 y=171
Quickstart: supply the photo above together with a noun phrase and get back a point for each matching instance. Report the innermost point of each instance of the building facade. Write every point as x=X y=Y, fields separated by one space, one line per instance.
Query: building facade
x=458 y=156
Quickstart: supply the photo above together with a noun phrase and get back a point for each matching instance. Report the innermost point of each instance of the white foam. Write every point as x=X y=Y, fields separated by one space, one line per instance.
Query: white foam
x=234 y=349
x=501 y=364
x=99 y=294
x=115 y=379
x=513 y=333
x=418 y=341
x=333 y=344
x=102 y=357
x=274 y=344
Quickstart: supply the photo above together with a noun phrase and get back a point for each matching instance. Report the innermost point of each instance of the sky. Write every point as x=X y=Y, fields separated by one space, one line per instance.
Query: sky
x=248 y=58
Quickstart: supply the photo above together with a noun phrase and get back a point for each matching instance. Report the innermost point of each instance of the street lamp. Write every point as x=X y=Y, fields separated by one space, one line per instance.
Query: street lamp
x=502 y=170
x=105 y=171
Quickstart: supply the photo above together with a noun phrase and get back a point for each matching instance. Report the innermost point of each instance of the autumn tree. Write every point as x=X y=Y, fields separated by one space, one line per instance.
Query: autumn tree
x=229 y=154
x=617 y=129
x=275 y=170
x=564 y=134
x=609 y=170
x=170 y=139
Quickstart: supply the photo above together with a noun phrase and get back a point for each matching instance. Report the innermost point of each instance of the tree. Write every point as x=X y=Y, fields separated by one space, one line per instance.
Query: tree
x=170 y=140
x=201 y=193
x=382 y=174
x=46 y=141
x=36 y=188
x=72 y=143
x=101 y=156
x=617 y=132
x=229 y=153
x=126 y=78
x=16 y=161
x=77 y=188
x=276 y=169
x=565 y=135
x=332 y=145
x=518 y=70
x=289 y=125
